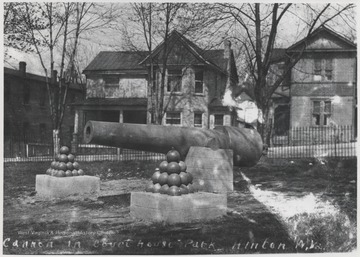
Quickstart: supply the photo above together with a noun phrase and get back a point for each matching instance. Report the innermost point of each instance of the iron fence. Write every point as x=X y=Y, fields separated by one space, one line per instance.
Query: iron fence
x=317 y=142
x=300 y=142
x=35 y=152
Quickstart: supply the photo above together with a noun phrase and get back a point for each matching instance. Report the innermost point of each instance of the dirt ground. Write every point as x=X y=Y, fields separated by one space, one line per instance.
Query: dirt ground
x=256 y=219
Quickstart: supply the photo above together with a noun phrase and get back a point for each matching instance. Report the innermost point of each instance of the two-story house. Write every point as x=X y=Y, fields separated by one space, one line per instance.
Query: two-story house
x=320 y=90
x=27 y=120
x=118 y=85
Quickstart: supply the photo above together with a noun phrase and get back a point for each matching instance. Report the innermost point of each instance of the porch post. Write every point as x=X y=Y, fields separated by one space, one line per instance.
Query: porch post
x=121 y=117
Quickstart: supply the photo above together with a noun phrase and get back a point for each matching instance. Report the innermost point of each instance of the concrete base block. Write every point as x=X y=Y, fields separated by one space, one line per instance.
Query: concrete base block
x=49 y=187
x=212 y=169
x=177 y=209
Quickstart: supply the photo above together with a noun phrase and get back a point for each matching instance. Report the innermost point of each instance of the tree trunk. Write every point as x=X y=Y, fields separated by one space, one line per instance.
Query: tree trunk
x=266 y=128
x=56 y=141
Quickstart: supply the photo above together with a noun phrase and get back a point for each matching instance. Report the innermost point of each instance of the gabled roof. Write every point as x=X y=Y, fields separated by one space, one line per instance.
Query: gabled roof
x=213 y=58
x=280 y=54
x=116 y=61
x=323 y=30
x=246 y=88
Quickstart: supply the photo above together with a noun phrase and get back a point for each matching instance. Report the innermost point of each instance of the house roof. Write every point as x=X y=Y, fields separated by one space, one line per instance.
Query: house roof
x=278 y=54
x=246 y=88
x=213 y=58
x=127 y=61
x=30 y=76
x=216 y=104
x=323 y=30
x=116 y=61
x=113 y=102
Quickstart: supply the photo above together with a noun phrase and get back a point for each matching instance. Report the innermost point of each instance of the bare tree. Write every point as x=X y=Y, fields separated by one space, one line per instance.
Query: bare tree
x=259 y=24
x=52 y=31
x=152 y=24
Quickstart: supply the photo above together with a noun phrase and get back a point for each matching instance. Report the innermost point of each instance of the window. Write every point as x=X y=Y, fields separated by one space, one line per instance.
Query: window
x=317 y=67
x=321 y=112
x=173 y=118
x=328 y=69
x=174 y=81
x=323 y=69
x=219 y=119
x=26 y=94
x=198 y=119
x=111 y=80
x=199 y=88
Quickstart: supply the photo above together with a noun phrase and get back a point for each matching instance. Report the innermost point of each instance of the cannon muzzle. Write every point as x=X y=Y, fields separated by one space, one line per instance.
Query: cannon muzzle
x=246 y=143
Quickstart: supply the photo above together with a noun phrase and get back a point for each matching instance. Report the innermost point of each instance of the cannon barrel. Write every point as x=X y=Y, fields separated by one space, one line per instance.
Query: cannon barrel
x=246 y=143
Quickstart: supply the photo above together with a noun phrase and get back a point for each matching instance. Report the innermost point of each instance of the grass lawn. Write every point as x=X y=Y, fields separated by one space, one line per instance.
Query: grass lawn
x=276 y=207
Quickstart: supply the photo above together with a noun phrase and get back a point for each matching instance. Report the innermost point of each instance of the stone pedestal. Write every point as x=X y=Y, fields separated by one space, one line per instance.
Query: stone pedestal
x=49 y=187
x=212 y=169
x=177 y=209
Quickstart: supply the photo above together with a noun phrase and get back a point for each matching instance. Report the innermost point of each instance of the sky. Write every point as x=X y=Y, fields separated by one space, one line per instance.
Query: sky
x=107 y=40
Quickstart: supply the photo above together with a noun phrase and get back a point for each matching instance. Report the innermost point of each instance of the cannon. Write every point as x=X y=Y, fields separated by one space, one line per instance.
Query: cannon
x=246 y=143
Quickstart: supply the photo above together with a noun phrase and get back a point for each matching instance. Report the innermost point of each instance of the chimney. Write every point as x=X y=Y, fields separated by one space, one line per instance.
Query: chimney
x=227 y=49
x=22 y=68
x=54 y=77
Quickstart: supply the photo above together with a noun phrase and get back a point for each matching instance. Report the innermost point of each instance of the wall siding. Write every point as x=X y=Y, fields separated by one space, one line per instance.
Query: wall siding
x=16 y=113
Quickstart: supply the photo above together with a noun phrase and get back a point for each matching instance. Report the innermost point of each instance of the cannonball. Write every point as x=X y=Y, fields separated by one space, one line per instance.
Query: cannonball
x=63 y=158
x=173 y=167
x=163 y=178
x=164 y=189
x=174 y=180
x=185 y=178
x=184 y=190
x=163 y=166
x=174 y=191
x=155 y=177
x=71 y=157
x=64 y=150
x=69 y=166
x=157 y=188
x=173 y=156
x=62 y=166
x=150 y=188
x=183 y=166
x=76 y=165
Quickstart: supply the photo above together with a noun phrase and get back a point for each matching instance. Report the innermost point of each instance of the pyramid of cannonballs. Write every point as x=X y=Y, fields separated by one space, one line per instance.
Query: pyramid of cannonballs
x=171 y=177
x=65 y=165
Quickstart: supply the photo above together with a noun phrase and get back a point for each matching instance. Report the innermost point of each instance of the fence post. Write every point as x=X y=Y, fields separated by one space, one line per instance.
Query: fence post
x=26 y=150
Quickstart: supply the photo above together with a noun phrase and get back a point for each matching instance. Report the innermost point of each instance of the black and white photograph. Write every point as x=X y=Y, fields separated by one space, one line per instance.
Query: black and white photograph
x=179 y=128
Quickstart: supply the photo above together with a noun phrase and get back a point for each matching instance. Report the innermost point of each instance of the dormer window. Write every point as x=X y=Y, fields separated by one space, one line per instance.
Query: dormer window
x=199 y=83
